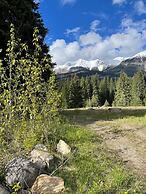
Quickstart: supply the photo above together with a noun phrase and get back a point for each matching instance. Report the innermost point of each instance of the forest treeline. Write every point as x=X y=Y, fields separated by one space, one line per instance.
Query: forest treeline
x=94 y=91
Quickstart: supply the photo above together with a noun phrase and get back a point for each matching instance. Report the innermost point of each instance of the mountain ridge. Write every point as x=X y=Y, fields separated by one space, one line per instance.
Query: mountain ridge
x=81 y=63
x=129 y=65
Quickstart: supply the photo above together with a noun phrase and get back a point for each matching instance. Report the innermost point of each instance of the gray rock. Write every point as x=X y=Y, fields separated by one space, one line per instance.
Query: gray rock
x=41 y=158
x=22 y=191
x=63 y=148
x=21 y=170
x=41 y=147
x=45 y=184
x=3 y=190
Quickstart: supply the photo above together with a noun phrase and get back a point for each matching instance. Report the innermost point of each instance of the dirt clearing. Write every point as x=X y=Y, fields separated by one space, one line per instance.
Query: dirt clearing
x=128 y=143
x=122 y=133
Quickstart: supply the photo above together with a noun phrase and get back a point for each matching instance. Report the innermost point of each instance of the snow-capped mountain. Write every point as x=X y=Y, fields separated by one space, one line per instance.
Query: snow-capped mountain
x=129 y=65
x=94 y=64
x=140 y=55
x=138 y=60
x=80 y=65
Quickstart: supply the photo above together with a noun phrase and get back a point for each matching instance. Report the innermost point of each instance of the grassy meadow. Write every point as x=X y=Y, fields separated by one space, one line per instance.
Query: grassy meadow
x=104 y=167
x=91 y=168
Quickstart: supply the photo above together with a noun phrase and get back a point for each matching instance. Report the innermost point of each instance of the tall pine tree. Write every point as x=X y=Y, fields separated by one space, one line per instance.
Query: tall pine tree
x=104 y=90
x=83 y=85
x=25 y=17
x=75 y=94
x=138 y=89
x=123 y=91
x=95 y=91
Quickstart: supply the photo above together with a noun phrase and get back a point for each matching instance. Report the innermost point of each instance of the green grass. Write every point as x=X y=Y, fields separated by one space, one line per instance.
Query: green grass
x=92 y=169
x=97 y=170
x=133 y=120
x=85 y=116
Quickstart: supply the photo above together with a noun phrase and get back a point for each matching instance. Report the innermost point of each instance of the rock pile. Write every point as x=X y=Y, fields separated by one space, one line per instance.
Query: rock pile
x=33 y=173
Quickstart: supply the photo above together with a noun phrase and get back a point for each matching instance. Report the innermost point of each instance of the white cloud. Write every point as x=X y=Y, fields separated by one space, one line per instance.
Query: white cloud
x=140 y=7
x=119 y=1
x=89 y=38
x=63 y=52
x=91 y=45
x=128 y=23
x=64 y=2
x=72 y=31
x=94 y=25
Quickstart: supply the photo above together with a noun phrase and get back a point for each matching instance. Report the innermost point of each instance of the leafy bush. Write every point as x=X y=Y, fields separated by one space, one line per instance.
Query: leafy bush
x=28 y=102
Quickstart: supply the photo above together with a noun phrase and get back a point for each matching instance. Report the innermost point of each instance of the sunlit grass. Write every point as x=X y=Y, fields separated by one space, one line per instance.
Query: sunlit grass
x=133 y=120
x=92 y=169
x=97 y=170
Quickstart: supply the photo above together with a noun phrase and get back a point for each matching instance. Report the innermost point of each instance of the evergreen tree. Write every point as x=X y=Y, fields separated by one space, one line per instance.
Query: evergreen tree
x=88 y=103
x=25 y=17
x=111 y=91
x=144 y=101
x=138 y=89
x=95 y=101
x=88 y=87
x=103 y=90
x=108 y=92
x=95 y=92
x=84 y=90
x=123 y=91
x=65 y=94
x=75 y=94
x=95 y=84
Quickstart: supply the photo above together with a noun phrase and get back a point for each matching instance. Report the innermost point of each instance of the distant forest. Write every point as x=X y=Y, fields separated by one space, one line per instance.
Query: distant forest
x=95 y=92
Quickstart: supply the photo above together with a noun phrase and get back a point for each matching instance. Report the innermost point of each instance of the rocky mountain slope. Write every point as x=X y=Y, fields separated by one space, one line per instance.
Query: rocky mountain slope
x=136 y=60
x=81 y=67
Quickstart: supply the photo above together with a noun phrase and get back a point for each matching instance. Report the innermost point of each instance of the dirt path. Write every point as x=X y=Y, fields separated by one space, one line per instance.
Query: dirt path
x=128 y=142
x=123 y=133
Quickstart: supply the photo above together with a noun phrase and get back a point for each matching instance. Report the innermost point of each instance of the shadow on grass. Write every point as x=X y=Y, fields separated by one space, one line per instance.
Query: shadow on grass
x=86 y=116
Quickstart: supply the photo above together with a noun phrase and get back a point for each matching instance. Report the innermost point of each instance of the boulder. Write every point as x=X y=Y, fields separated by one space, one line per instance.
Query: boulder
x=41 y=158
x=45 y=184
x=21 y=170
x=3 y=190
x=63 y=148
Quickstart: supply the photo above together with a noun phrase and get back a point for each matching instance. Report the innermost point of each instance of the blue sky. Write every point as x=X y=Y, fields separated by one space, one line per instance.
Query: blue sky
x=91 y=29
